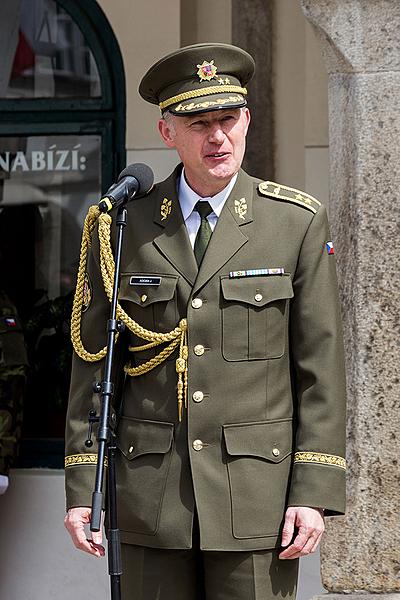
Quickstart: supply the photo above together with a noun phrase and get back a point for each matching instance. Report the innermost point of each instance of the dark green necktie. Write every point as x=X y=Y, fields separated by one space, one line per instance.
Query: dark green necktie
x=204 y=233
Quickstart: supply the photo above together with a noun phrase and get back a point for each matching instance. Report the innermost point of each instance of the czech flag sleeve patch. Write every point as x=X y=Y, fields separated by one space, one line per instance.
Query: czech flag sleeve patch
x=329 y=248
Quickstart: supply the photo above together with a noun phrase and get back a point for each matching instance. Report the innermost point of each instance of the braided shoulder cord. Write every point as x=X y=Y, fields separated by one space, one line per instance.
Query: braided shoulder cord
x=76 y=317
x=176 y=337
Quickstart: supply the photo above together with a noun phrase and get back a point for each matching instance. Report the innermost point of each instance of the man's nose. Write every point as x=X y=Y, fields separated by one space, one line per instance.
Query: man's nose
x=216 y=134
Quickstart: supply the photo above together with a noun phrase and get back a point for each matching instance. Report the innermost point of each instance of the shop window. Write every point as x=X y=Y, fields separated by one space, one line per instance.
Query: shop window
x=62 y=129
x=45 y=54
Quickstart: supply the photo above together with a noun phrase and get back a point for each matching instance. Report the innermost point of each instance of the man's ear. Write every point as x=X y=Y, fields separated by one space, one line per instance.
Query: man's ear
x=166 y=133
x=248 y=117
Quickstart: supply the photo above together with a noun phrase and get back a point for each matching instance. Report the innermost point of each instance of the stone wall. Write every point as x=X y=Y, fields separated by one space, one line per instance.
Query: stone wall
x=361 y=45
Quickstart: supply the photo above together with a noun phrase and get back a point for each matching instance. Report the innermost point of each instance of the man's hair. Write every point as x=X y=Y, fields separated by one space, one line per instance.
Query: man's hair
x=168 y=118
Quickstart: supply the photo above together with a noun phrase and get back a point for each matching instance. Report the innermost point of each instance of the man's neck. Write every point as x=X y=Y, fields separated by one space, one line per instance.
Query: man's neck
x=208 y=191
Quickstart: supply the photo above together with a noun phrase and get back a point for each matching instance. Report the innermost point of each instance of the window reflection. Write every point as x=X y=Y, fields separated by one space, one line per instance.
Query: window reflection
x=46 y=185
x=44 y=53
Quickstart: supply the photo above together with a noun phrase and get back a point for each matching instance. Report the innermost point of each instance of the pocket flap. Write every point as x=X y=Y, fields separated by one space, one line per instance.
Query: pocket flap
x=271 y=440
x=136 y=437
x=147 y=288
x=257 y=291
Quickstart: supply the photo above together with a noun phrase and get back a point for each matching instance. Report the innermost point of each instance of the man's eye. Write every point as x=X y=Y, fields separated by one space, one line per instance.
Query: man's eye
x=228 y=119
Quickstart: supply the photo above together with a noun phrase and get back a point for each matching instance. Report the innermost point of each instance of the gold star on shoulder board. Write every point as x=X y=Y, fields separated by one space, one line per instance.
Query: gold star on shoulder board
x=303 y=199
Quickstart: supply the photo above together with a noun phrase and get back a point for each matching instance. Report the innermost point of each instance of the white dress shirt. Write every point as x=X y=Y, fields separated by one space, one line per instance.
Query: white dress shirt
x=188 y=199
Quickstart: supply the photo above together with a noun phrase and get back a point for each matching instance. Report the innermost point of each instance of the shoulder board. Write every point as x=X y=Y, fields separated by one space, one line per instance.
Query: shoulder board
x=283 y=192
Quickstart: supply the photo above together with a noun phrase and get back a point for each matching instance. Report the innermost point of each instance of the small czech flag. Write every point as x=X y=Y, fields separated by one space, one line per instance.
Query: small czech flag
x=329 y=248
x=10 y=321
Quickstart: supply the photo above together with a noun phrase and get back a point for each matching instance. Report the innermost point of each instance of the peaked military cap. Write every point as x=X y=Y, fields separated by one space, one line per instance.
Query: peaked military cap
x=199 y=78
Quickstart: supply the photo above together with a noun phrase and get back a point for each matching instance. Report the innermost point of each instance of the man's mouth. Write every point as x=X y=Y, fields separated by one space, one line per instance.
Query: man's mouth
x=217 y=155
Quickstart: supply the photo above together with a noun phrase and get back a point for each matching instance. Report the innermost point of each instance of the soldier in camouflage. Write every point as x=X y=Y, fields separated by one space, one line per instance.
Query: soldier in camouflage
x=13 y=370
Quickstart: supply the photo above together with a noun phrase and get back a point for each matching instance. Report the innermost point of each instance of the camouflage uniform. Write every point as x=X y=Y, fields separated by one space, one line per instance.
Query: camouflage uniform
x=13 y=368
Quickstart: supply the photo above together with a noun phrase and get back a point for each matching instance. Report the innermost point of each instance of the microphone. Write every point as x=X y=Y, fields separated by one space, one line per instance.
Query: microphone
x=134 y=180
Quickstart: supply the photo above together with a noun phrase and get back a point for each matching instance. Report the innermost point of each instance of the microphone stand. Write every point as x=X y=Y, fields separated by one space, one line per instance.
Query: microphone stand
x=106 y=433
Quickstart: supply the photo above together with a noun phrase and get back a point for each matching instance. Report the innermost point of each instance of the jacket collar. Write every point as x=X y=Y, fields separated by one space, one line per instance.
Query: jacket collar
x=173 y=242
x=227 y=237
x=229 y=234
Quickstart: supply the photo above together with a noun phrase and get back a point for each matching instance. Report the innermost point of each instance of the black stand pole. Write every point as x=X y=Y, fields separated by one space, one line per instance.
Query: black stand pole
x=106 y=433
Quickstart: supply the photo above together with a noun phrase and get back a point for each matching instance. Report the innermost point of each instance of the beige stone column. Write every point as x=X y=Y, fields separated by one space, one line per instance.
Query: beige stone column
x=361 y=46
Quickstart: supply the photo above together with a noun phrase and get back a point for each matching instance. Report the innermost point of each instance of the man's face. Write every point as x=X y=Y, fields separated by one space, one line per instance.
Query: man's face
x=211 y=146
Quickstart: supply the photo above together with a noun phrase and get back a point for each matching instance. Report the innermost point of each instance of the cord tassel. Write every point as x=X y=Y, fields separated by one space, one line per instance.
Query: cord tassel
x=181 y=369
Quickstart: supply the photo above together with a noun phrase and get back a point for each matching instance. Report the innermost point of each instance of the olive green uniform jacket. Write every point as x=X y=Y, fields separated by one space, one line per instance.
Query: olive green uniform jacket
x=265 y=351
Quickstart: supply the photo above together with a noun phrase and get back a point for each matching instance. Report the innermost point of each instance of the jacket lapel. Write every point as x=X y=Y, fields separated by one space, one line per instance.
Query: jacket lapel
x=228 y=237
x=174 y=241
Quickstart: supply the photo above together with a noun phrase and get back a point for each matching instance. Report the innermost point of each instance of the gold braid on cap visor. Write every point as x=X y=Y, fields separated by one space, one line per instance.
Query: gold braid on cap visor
x=212 y=89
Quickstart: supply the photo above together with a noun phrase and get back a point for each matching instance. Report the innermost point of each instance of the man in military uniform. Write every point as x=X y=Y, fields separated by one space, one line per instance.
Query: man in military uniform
x=231 y=446
x=13 y=365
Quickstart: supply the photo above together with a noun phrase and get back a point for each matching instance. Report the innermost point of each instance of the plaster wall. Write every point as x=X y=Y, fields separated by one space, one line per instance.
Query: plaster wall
x=145 y=31
x=300 y=103
x=206 y=21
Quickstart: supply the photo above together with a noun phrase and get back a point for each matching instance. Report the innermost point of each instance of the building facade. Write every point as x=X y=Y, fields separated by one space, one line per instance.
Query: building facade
x=70 y=118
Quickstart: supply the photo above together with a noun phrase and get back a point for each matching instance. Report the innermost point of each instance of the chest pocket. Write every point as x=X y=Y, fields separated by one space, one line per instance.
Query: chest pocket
x=255 y=316
x=150 y=299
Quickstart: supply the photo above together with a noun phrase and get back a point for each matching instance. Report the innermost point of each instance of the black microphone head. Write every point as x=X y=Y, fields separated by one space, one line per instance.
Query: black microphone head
x=142 y=173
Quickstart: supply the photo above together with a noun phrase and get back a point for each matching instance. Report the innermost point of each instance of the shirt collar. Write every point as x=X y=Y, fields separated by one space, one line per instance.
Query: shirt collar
x=188 y=198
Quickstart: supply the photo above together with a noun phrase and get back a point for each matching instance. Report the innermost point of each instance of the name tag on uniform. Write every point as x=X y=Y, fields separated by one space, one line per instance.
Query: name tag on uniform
x=257 y=272
x=144 y=280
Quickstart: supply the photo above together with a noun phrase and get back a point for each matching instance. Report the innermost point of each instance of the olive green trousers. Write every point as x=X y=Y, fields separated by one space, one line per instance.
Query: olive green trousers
x=154 y=574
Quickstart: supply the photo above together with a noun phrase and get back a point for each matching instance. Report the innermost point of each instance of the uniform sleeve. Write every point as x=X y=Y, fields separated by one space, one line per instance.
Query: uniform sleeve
x=80 y=461
x=319 y=467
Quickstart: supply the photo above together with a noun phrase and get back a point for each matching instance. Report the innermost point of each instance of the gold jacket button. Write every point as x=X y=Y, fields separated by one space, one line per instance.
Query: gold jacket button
x=258 y=297
x=197 y=303
x=276 y=451
x=198 y=350
x=198 y=396
x=143 y=298
x=131 y=449
x=197 y=445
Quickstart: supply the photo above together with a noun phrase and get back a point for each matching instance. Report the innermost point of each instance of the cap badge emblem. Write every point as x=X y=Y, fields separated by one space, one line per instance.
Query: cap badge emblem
x=207 y=70
x=165 y=208
x=241 y=207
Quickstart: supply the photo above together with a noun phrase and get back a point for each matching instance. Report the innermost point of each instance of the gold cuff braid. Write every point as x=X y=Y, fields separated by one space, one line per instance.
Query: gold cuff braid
x=176 y=337
x=74 y=460
x=319 y=458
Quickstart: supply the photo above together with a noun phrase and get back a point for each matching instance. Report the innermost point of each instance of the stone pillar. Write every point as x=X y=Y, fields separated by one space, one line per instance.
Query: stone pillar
x=252 y=30
x=361 y=47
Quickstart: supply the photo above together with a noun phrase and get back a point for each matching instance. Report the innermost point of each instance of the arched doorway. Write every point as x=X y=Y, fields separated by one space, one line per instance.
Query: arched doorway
x=62 y=142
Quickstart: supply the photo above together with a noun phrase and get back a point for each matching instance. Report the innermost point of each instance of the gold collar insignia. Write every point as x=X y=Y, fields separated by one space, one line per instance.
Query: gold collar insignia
x=241 y=208
x=165 y=208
